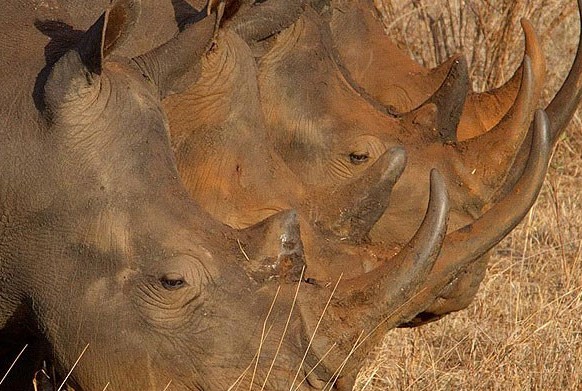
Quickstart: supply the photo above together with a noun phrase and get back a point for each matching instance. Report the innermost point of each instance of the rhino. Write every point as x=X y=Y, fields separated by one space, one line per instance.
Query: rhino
x=233 y=131
x=400 y=83
x=240 y=180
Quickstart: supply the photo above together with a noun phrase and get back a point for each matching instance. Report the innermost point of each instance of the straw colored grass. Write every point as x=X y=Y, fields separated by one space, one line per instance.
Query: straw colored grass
x=524 y=329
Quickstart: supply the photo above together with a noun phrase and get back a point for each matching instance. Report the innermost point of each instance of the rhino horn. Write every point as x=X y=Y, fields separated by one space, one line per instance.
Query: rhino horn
x=366 y=198
x=564 y=104
x=491 y=155
x=364 y=302
x=489 y=107
x=450 y=98
x=102 y=38
x=272 y=248
x=410 y=266
x=560 y=111
x=467 y=244
x=175 y=65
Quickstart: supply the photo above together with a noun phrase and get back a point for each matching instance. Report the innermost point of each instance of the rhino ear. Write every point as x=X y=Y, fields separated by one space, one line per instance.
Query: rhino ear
x=175 y=65
x=76 y=71
x=108 y=33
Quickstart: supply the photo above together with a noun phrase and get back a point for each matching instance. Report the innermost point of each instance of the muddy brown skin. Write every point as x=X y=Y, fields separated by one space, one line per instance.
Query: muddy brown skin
x=390 y=76
x=232 y=131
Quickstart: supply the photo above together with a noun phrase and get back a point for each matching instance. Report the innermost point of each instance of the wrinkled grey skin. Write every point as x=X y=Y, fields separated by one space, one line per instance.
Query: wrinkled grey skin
x=101 y=247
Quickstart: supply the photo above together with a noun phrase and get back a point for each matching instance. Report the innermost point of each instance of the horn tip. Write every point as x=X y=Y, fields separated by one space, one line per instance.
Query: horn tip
x=526 y=24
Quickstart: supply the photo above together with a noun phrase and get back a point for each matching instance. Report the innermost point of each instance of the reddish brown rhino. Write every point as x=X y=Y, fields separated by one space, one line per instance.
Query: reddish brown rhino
x=390 y=76
x=233 y=131
x=240 y=180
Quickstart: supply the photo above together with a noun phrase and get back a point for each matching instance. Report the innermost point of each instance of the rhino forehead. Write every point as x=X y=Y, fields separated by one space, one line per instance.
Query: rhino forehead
x=108 y=290
x=110 y=232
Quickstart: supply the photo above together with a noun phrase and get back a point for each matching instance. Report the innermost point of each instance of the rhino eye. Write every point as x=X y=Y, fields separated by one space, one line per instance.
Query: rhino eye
x=172 y=282
x=358 y=158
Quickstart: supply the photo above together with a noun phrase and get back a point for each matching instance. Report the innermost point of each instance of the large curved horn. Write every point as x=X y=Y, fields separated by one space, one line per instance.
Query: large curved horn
x=363 y=201
x=560 y=111
x=260 y=21
x=564 y=105
x=412 y=262
x=467 y=244
x=491 y=155
x=364 y=302
x=174 y=65
x=484 y=110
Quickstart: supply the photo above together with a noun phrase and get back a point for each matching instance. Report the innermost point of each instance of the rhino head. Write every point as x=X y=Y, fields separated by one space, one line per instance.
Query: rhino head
x=392 y=78
x=233 y=130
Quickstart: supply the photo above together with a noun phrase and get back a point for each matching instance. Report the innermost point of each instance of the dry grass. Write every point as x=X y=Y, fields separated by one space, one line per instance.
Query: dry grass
x=524 y=330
